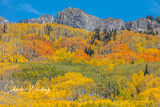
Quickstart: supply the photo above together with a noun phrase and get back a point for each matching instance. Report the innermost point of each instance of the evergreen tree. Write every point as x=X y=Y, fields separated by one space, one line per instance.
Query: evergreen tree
x=150 y=17
x=89 y=51
x=48 y=29
x=157 y=32
x=158 y=19
x=107 y=36
x=97 y=34
x=4 y=28
x=114 y=34
x=146 y=70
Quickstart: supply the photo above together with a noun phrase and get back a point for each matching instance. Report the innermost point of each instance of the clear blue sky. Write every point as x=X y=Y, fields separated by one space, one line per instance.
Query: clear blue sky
x=15 y=10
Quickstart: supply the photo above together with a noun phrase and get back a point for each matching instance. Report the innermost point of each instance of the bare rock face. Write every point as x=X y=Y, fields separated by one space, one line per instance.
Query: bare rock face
x=77 y=18
x=3 y=20
x=111 y=24
x=143 y=25
x=41 y=19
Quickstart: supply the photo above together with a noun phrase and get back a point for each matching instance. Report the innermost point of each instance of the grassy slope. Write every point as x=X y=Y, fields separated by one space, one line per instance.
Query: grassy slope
x=35 y=71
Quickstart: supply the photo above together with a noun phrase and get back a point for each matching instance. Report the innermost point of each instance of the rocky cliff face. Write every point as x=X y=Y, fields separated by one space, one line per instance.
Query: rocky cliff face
x=110 y=24
x=142 y=25
x=41 y=19
x=77 y=18
x=3 y=20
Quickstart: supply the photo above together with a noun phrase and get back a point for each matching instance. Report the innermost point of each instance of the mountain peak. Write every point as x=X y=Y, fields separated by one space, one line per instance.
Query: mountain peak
x=71 y=8
x=77 y=18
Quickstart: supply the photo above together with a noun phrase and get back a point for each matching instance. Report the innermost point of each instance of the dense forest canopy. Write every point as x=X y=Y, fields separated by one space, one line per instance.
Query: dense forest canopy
x=57 y=65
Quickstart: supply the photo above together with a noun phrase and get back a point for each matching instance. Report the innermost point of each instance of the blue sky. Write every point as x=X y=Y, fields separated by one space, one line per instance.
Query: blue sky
x=15 y=10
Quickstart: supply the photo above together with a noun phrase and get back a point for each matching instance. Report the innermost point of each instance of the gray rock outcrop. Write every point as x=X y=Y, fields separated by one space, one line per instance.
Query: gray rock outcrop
x=143 y=25
x=3 y=20
x=77 y=18
x=41 y=19
x=111 y=24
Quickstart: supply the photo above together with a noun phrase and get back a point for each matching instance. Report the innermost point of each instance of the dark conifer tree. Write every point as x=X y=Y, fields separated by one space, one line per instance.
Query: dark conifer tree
x=150 y=17
x=158 y=19
x=4 y=28
x=114 y=34
x=48 y=29
x=97 y=34
x=105 y=34
x=146 y=72
x=89 y=51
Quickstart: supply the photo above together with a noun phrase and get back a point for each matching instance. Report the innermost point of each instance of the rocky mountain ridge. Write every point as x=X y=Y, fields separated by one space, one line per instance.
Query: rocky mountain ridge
x=77 y=18
x=42 y=19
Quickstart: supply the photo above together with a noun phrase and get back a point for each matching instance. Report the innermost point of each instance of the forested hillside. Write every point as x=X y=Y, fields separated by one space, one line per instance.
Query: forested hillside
x=56 y=65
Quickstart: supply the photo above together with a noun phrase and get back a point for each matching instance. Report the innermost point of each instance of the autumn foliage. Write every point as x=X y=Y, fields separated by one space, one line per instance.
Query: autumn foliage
x=46 y=64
